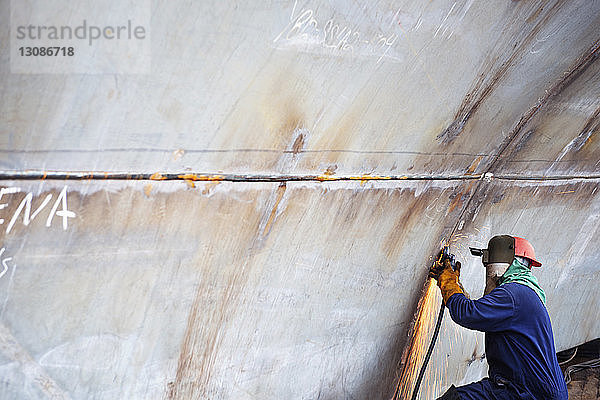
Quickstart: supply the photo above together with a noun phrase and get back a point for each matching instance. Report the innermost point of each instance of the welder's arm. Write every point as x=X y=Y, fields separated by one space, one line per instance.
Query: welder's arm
x=491 y=313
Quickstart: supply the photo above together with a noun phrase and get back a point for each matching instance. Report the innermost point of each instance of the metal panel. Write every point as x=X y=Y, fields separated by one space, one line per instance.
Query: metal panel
x=233 y=290
x=235 y=88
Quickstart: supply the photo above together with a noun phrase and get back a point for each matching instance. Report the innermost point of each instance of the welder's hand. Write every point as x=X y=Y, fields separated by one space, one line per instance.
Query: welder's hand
x=439 y=266
x=436 y=270
x=448 y=280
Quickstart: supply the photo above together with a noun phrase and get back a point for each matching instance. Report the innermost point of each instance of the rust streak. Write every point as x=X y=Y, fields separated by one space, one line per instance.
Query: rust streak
x=578 y=67
x=298 y=144
x=459 y=198
x=590 y=128
x=369 y=177
x=280 y=193
x=216 y=299
x=484 y=87
x=326 y=177
x=474 y=165
x=194 y=177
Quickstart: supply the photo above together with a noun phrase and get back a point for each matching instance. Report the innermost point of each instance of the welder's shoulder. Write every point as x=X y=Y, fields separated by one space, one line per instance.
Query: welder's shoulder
x=499 y=298
x=524 y=298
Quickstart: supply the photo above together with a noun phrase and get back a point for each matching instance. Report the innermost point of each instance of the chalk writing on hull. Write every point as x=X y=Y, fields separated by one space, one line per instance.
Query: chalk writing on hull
x=306 y=31
x=60 y=208
x=4 y=262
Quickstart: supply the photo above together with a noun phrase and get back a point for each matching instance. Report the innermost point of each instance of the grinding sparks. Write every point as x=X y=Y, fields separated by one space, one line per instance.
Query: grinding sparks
x=419 y=339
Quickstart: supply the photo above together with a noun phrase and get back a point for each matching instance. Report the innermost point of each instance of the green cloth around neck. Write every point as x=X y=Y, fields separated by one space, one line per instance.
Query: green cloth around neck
x=519 y=273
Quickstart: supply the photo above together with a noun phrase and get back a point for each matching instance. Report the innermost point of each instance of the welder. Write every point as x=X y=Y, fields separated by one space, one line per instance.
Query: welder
x=519 y=344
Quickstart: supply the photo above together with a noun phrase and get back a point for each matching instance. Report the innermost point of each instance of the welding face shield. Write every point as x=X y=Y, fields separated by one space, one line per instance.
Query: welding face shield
x=496 y=259
x=499 y=255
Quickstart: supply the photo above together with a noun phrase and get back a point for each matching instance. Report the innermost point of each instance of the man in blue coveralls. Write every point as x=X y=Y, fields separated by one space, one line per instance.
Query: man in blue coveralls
x=519 y=344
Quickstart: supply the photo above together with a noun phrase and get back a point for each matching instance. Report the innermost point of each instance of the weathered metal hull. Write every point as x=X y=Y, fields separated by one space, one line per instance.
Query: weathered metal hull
x=250 y=274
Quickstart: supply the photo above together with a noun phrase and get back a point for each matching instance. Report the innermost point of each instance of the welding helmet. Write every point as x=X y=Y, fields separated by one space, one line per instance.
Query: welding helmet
x=504 y=248
x=500 y=254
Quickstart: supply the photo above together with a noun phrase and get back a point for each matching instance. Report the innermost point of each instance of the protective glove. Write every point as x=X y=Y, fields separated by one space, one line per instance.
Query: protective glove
x=436 y=269
x=447 y=279
x=438 y=266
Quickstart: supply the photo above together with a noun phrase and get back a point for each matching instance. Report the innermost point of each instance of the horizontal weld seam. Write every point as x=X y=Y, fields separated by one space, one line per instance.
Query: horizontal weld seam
x=211 y=177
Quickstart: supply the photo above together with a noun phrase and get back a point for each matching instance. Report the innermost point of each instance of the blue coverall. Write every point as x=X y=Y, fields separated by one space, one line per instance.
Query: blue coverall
x=519 y=344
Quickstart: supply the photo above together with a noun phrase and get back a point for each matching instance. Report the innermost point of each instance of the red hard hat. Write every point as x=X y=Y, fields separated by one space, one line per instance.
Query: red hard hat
x=524 y=249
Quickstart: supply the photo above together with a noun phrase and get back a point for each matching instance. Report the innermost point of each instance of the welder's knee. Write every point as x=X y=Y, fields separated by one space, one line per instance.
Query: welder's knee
x=451 y=394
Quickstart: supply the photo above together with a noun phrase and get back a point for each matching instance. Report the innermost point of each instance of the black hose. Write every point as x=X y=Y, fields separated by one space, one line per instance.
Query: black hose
x=438 y=324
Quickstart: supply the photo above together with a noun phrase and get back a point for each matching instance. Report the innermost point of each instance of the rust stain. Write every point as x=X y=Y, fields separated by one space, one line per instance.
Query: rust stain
x=346 y=125
x=589 y=130
x=490 y=78
x=217 y=296
x=298 y=144
x=190 y=178
x=157 y=176
x=474 y=165
x=330 y=170
x=534 y=15
x=364 y=178
x=280 y=193
x=282 y=112
x=147 y=189
x=326 y=178
x=194 y=177
x=412 y=217
x=576 y=70
x=369 y=177
x=189 y=360
x=459 y=198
